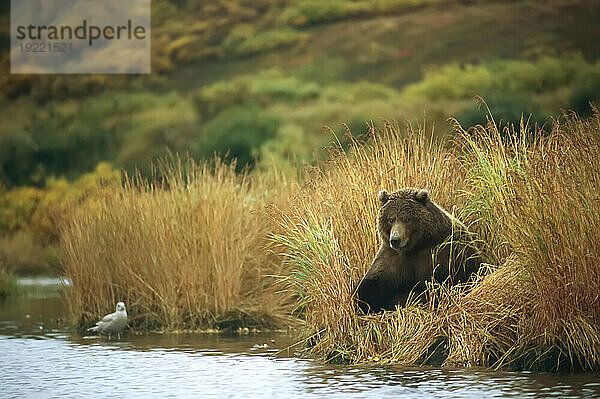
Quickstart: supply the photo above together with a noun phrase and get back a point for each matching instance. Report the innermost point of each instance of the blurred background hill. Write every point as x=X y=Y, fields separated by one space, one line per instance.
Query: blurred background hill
x=257 y=80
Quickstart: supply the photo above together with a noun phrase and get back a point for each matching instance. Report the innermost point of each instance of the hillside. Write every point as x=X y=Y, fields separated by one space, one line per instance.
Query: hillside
x=257 y=81
x=277 y=71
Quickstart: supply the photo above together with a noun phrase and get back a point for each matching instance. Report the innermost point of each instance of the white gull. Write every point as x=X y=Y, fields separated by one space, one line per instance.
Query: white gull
x=113 y=323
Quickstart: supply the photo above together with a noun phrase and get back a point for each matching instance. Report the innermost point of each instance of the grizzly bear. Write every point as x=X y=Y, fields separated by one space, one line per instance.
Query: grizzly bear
x=419 y=241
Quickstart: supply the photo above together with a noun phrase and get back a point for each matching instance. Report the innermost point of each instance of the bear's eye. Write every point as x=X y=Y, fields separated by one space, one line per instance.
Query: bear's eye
x=391 y=220
x=406 y=219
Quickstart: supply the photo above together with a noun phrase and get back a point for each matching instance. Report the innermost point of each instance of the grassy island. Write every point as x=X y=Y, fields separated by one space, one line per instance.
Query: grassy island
x=204 y=247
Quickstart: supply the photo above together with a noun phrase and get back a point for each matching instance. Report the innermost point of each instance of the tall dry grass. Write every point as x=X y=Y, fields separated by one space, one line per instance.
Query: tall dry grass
x=188 y=252
x=200 y=248
x=531 y=197
x=330 y=239
x=539 y=202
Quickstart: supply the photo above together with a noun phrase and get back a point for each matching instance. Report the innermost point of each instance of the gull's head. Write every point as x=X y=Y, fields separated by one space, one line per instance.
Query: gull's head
x=120 y=307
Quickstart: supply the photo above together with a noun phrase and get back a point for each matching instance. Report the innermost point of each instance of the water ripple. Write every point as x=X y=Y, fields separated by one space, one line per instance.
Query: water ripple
x=39 y=358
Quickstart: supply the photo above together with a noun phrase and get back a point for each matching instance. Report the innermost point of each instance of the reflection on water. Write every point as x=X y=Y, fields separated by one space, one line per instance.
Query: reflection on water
x=40 y=358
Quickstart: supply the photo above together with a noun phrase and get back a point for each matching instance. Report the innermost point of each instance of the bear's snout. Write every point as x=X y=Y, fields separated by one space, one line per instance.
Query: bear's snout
x=397 y=243
x=398 y=236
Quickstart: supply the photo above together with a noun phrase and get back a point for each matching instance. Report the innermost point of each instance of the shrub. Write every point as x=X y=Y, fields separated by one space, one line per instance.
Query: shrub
x=60 y=197
x=264 y=88
x=17 y=159
x=506 y=108
x=513 y=76
x=310 y=12
x=584 y=95
x=314 y=11
x=273 y=86
x=211 y=100
x=289 y=147
x=237 y=133
x=243 y=41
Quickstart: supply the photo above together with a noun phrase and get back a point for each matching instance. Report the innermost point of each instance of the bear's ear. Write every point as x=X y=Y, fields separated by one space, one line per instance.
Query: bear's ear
x=383 y=196
x=422 y=196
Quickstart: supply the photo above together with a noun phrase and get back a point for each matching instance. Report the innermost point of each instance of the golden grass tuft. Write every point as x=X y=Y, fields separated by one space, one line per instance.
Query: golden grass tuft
x=542 y=208
x=330 y=239
x=187 y=253
x=531 y=197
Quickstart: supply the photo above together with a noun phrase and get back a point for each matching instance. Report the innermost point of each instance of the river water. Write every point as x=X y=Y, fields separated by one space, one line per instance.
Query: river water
x=41 y=358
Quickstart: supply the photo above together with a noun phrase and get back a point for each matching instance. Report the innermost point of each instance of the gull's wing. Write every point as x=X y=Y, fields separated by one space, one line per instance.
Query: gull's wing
x=108 y=318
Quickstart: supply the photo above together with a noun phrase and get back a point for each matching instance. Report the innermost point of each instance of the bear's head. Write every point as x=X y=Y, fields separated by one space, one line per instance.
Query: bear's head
x=401 y=218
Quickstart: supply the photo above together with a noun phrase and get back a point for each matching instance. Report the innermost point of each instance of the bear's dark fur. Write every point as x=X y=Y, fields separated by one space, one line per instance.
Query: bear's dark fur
x=411 y=229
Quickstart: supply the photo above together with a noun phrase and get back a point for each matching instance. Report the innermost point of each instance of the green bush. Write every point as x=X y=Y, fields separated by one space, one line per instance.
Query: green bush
x=582 y=96
x=237 y=133
x=130 y=129
x=55 y=139
x=243 y=41
x=506 y=108
x=306 y=12
x=17 y=159
x=358 y=92
x=264 y=88
x=528 y=77
x=310 y=12
x=150 y=126
x=69 y=138
x=289 y=148
x=212 y=99
x=272 y=86
x=71 y=142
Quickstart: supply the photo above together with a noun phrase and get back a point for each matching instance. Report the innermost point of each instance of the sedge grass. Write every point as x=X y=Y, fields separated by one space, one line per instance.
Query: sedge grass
x=9 y=285
x=545 y=213
x=330 y=239
x=187 y=253
x=201 y=248
x=531 y=197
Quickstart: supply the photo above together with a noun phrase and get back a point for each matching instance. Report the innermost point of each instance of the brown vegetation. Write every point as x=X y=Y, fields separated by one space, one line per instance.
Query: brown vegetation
x=200 y=248
x=186 y=253
x=531 y=197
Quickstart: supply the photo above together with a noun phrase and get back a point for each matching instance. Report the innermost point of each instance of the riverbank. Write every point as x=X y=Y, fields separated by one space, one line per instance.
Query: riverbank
x=206 y=248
